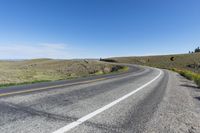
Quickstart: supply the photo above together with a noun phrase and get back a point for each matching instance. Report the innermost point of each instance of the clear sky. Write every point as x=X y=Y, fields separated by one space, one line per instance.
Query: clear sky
x=97 y=28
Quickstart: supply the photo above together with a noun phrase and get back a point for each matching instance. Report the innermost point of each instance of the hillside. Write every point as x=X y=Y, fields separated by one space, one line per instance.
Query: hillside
x=38 y=70
x=180 y=61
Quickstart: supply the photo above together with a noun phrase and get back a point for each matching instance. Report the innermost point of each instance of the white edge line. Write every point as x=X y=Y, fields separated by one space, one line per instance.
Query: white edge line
x=98 y=111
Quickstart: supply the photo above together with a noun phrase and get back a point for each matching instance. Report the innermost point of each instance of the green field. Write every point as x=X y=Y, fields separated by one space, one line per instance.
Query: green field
x=40 y=70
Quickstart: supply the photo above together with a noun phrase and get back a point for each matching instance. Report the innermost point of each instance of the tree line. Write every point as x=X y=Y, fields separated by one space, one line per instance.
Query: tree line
x=197 y=50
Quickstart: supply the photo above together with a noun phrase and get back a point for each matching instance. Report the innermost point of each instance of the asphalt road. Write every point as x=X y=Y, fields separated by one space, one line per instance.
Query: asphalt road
x=116 y=103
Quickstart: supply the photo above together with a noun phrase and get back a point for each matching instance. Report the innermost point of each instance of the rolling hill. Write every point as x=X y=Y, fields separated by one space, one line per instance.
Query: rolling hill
x=39 y=70
x=180 y=61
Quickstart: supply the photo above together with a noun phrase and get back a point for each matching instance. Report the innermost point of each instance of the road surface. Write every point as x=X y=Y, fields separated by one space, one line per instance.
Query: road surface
x=141 y=100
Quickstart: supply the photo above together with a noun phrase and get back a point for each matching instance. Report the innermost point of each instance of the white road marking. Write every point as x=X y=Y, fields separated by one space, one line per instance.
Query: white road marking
x=87 y=117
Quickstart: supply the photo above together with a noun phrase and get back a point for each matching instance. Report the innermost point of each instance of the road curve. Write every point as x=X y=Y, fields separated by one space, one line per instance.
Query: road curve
x=109 y=103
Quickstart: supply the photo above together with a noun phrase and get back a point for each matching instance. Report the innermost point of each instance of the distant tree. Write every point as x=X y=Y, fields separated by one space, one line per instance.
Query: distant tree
x=189 y=52
x=197 y=50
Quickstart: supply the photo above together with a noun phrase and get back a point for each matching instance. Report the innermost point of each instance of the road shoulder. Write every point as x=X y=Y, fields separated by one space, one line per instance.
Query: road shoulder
x=179 y=110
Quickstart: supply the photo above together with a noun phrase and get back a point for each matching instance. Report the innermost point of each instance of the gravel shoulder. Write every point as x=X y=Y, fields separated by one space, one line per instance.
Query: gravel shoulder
x=180 y=108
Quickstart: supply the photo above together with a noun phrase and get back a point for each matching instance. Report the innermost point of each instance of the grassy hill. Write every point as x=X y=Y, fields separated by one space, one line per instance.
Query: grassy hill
x=38 y=70
x=181 y=61
x=188 y=65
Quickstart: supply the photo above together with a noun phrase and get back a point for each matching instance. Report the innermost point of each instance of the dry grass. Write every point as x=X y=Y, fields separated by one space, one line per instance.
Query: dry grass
x=188 y=65
x=38 y=70
x=189 y=75
x=189 y=62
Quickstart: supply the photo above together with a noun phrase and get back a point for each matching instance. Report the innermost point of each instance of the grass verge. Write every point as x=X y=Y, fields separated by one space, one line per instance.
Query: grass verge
x=189 y=75
x=23 y=83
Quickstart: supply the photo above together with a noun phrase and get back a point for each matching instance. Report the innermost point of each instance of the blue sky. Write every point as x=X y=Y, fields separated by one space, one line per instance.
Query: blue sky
x=97 y=28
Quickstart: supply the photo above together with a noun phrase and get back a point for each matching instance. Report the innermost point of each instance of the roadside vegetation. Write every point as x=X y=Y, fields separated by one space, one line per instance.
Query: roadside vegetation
x=189 y=75
x=43 y=70
x=188 y=65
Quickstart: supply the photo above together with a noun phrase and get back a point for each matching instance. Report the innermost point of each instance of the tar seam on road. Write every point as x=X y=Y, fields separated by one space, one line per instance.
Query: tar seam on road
x=51 y=87
x=89 y=116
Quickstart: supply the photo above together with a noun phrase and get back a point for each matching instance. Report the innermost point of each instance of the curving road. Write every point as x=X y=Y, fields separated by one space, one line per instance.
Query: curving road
x=114 y=103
